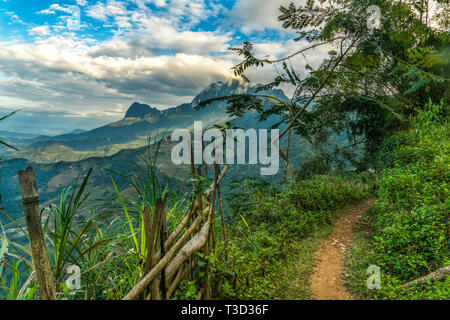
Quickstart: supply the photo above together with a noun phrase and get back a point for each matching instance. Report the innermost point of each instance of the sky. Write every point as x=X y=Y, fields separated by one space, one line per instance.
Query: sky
x=81 y=63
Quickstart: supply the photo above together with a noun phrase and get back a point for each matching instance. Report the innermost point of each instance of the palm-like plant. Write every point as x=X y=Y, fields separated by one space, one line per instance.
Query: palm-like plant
x=148 y=188
x=66 y=235
x=15 y=283
x=70 y=240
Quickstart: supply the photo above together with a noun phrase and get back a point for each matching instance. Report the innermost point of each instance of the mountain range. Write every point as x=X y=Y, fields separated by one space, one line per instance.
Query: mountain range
x=140 y=122
x=119 y=146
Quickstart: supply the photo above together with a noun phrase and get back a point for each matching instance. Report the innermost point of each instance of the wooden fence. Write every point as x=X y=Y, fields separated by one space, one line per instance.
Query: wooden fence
x=170 y=257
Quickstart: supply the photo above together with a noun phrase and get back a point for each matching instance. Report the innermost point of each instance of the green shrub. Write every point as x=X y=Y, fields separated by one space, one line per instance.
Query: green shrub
x=411 y=217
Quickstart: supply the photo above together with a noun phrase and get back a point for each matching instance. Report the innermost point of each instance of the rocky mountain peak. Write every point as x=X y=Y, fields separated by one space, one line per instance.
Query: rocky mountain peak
x=139 y=110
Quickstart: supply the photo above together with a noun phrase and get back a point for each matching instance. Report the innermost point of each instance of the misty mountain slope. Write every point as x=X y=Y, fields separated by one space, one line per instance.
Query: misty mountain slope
x=52 y=177
x=133 y=130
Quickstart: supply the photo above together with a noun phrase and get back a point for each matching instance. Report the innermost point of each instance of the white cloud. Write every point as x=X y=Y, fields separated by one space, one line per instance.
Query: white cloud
x=184 y=13
x=154 y=58
x=158 y=35
x=103 y=11
x=82 y=3
x=57 y=121
x=258 y=15
x=159 y=3
x=14 y=18
x=40 y=31
x=142 y=3
x=54 y=8
x=63 y=71
x=153 y=55
x=73 y=18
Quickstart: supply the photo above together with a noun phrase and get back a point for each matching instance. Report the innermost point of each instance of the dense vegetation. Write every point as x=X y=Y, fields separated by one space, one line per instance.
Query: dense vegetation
x=268 y=223
x=409 y=227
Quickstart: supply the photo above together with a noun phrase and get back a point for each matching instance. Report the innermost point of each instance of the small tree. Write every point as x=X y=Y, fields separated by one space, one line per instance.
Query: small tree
x=372 y=80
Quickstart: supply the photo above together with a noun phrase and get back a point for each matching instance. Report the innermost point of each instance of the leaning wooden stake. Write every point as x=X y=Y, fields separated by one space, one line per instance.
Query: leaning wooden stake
x=436 y=275
x=181 y=251
x=148 y=223
x=30 y=201
x=175 y=283
x=208 y=249
x=148 y=239
x=163 y=236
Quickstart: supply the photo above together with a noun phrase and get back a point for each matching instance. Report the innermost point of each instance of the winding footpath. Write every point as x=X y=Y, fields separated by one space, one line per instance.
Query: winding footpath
x=327 y=280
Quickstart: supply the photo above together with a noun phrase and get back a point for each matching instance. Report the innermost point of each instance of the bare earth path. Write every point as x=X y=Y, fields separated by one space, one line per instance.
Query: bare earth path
x=327 y=281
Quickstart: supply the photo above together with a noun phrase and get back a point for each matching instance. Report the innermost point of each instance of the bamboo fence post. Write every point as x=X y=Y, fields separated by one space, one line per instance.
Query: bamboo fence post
x=163 y=237
x=196 y=173
x=222 y=215
x=207 y=295
x=30 y=201
x=205 y=165
x=142 y=284
x=169 y=261
x=147 y=215
x=175 y=283
x=148 y=239
x=155 y=285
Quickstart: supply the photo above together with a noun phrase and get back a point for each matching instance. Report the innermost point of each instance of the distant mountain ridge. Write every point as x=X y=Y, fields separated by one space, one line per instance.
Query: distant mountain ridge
x=20 y=135
x=77 y=131
x=140 y=121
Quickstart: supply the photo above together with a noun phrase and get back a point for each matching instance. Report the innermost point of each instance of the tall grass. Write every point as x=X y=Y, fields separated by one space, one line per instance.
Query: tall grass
x=66 y=236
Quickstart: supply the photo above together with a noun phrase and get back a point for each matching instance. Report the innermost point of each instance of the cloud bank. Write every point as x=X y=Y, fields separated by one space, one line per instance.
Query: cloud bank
x=92 y=58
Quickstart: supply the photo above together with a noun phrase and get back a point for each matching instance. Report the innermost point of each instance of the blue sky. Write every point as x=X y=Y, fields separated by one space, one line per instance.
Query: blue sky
x=81 y=63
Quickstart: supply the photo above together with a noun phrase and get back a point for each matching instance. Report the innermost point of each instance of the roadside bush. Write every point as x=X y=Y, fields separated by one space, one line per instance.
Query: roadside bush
x=413 y=208
x=410 y=236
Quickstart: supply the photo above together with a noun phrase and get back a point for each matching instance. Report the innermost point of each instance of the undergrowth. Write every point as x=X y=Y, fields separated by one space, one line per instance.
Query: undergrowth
x=409 y=227
x=268 y=225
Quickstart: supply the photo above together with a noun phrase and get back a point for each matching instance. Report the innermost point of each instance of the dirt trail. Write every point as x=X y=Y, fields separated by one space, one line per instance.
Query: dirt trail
x=327 y=281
